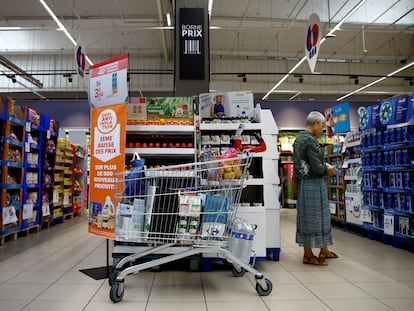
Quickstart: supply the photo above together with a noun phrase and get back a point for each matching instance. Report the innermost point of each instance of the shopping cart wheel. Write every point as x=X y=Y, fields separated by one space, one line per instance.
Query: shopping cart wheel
x=112 y=277
x=117 y=291
x=238 y=272
x=264 y=292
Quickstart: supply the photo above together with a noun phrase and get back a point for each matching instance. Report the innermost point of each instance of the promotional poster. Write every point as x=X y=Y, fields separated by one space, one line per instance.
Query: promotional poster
x=107 y=158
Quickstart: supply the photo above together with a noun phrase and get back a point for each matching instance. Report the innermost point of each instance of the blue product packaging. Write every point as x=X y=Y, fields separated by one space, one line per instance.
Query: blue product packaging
x=398 y=136
x=387 y=112
x=403 y=110
x=375 y=199
x=386 y=158
x=386 y=136
x=369 y=139
x=404 y=133
x=381 y=200
x=408 y=203
x=391 y=157
x=378 y=138
x=405 y=158
x=399 y=180
x=363 y=140
x=407 y=180
x=392 y=135
x=398 y=157
x=392 y=180
x=402 y=204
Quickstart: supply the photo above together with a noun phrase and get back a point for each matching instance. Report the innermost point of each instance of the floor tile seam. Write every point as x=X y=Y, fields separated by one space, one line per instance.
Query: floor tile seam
x=37 y=262
x=375 y=298
x=54 y=283
x=203 y=290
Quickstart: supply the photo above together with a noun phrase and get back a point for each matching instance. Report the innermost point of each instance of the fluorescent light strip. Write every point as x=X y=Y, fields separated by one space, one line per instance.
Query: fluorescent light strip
x=376 y=81
x=210 y=6
x=61 y=26
x=284 y=78
x=337 y=27
x=168 y=15
x=10 y=28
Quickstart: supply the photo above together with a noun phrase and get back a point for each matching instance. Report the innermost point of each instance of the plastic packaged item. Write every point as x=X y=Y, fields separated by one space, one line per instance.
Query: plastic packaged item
x=241 y=239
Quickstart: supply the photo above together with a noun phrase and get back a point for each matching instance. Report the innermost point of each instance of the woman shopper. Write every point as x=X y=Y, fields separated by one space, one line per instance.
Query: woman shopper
x=313 y=216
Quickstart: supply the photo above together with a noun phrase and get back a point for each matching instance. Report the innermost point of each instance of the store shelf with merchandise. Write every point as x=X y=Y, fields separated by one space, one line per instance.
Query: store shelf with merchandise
x=388 y=181
x=13 y=125
x=336 y=184
x=51 y=172
x=353 y=178
x=79 y=169
x=161 y=144
x=33 y=162
x=260 y=199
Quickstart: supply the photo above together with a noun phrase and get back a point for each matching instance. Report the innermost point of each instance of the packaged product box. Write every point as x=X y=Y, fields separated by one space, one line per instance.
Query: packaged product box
x=137 y=108
x=239 y=104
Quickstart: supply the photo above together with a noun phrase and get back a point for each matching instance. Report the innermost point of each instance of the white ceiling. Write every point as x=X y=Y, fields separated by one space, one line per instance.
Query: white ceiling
x=261 y=38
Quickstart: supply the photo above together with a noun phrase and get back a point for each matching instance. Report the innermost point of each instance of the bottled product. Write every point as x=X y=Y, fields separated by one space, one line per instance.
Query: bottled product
x=108 y=207
x=241 y=239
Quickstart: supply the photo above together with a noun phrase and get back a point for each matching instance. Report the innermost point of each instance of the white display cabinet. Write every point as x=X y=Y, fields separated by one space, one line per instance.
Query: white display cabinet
x=263 y=185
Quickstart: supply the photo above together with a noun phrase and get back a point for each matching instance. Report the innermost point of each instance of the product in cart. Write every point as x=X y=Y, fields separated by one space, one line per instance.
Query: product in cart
x=187 y=208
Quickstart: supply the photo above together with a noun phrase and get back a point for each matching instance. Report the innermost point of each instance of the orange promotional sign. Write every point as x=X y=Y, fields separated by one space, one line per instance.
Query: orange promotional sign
x=108 y=127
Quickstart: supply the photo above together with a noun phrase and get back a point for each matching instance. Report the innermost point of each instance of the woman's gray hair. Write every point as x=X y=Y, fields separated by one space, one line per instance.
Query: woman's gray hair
x=313 y=117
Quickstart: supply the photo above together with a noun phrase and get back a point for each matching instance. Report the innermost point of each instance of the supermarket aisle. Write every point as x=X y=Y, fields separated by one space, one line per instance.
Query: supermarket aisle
x=368 y=276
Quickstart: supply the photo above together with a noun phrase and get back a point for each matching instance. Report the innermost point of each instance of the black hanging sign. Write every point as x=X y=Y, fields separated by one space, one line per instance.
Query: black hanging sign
x=191 y=37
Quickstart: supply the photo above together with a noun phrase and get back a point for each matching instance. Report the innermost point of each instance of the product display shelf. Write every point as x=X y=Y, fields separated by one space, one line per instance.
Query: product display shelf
x=58 y=184
x=336 y=184
x=68 y=155
x=50 y=166
x=78 y=186
x=353 y=178
x=13 y=130
x=388 y=183
x=260 y=199
x=33 y=162
x=161 y=144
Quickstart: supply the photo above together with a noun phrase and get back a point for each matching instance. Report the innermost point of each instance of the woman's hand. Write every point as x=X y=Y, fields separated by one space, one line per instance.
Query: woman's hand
x=330 y=169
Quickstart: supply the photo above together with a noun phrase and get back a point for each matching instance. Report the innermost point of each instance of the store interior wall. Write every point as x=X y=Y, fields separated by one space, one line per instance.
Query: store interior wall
x=291 y=115
x=75 y=113
x=288 y=114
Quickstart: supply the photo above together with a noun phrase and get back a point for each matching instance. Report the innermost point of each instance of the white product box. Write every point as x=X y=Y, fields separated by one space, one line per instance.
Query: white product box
x=388 y=224
x=215 y=140
x=353 y=208
x=238 y=104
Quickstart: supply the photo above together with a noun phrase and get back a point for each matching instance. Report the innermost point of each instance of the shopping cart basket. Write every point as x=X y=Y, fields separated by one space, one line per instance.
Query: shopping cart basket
x=190 y=207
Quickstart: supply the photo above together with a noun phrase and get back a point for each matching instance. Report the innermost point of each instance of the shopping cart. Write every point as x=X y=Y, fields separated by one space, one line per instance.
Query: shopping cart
x=188 y=207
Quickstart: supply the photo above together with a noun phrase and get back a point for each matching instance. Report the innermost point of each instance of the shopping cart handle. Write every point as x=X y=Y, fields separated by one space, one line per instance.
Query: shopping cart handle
x=254 y=149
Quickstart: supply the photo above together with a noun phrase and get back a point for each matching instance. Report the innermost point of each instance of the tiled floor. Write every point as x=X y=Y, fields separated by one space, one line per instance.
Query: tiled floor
x=41 y=272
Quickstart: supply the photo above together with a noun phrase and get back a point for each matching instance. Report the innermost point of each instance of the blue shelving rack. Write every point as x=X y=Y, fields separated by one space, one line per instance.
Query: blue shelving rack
x=33 y=160
x=49 y=133
x=13 y=124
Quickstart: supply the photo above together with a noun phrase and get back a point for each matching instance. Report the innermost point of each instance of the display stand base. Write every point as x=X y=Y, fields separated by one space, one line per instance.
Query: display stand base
x=99 y=273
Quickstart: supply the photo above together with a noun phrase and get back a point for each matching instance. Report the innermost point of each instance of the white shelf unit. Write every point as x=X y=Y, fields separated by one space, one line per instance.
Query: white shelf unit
x=353 y=179
x=263 y=188
x=143 y=139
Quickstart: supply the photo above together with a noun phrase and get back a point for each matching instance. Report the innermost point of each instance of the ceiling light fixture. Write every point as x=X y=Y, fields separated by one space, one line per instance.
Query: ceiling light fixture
x=10 y=28
x=62 y=27
x=376 y=81
x=330 y=34
x=210 y=6
x=168 y=16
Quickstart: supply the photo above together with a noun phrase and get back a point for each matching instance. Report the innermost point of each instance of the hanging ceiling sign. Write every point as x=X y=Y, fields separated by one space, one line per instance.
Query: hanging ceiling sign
x=312 y=41
x=108 y=82
x=80 y=60
x=191 y=41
